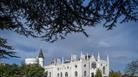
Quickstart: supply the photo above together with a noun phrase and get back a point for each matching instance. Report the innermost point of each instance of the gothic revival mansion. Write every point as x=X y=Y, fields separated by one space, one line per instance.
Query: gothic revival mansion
x=83 y=66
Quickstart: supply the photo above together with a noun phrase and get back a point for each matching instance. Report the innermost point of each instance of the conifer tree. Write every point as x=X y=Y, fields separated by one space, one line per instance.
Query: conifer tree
x=98 y=73
x=6 y=50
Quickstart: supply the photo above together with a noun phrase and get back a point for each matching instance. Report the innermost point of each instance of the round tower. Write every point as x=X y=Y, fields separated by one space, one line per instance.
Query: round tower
x=41 y=58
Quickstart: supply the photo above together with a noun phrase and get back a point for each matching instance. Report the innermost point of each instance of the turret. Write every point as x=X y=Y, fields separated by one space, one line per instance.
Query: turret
x=41 y=58
x=107 y=65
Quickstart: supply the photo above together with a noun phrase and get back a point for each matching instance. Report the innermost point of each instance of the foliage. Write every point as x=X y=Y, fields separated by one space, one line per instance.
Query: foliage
x=114 y=74
x=132 y=68
x=14 y=70
x=32 y=71
x=98 y=73
x=54 y=19
x=7 y=70
x=6 y=50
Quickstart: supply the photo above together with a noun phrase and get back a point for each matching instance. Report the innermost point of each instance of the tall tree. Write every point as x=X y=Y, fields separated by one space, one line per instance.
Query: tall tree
x=7 y=70
x=98 y=73
x=6 y=50
x=13 y=70
x=32 y=71
x=54 y=19
x=114 y=74
x=132 y=68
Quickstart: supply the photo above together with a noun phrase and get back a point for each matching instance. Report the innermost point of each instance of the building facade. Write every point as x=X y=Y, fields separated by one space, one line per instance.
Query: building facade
x=82 y=66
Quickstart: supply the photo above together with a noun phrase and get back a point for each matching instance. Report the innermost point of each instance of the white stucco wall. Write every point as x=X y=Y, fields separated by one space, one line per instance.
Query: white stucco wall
x=82 y=64
x=78 y=65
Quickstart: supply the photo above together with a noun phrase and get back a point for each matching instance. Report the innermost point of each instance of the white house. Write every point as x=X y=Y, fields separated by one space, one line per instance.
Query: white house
x=38 y=60
x=83 y=66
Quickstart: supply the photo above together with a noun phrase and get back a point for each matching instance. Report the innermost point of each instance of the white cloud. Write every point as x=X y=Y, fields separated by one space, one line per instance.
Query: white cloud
x=121 y=42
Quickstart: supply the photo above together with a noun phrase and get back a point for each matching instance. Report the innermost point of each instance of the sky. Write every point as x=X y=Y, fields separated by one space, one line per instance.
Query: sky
x=121 y=44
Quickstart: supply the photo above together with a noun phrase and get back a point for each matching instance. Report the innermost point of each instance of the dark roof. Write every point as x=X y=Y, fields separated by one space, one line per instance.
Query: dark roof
x=41 y=54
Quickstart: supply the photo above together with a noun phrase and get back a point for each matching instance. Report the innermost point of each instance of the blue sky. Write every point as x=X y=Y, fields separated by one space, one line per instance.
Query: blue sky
x=121 y=44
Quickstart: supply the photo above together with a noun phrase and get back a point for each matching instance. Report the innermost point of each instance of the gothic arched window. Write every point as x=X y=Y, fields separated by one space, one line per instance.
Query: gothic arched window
x=92 y=74
x=58 y=75
x=49 y=74
x=61 y=74
x=93 y=65
x=76 y=73
x=66 y=74
x=104 y=70
x=84 y=73
x=46 y=73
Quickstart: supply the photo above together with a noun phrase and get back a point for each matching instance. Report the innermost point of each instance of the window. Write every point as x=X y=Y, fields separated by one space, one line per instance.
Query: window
x=92 y=74
x=58 y=75
x=84 y=65
x=61 y=74
x=49 y=74
x=93 y=65
x=84 y=73
x=104 y=70
x=66 y=74
x=75 y=66
x=76 y=73
x=46 y=73
x=67 y=67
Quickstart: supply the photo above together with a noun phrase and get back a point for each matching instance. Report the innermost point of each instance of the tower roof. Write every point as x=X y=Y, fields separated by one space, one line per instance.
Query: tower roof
x=41 y=54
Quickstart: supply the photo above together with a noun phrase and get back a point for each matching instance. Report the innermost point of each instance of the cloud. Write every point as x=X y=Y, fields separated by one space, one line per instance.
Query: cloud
x=104 y=44
x=121 y=44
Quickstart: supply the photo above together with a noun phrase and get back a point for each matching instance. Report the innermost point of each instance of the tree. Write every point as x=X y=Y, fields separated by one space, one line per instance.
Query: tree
x=7 y=70
x=132 y=68
x=54 y=19
x=114 y=74
x=6 y=50
x=32 y=71
x=125 y=75
x=98 y=73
